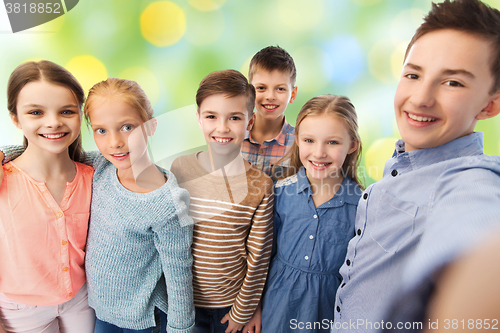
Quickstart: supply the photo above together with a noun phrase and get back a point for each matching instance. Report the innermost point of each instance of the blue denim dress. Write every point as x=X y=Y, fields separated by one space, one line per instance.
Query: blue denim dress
x=310 y=244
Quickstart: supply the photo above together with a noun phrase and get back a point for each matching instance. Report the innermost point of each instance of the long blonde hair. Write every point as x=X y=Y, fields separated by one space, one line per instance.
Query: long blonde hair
x=330 y=105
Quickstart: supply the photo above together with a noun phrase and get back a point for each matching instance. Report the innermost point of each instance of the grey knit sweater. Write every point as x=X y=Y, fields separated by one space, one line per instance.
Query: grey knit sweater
x=138 y=250
x=133 y=239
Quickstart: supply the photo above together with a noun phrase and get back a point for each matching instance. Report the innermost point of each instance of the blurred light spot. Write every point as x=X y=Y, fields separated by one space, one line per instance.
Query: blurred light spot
x=380 y=61
x=376 y=156
x=403 y=26
x=88 y=70
x=163 y=23
x=397 y=59
x=146 y=79
x=345 y=60
x=245 y=67
x=206 y=5
x=205 y=27
x=311 y=76
x=493 y=3
x=299 y=14
x=365 y=2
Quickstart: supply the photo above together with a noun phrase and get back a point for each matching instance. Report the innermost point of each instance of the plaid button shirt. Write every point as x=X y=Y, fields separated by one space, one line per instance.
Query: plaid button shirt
x=264 y=156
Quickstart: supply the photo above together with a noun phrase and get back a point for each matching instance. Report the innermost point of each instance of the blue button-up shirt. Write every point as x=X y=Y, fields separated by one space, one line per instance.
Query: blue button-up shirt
x=442 y=196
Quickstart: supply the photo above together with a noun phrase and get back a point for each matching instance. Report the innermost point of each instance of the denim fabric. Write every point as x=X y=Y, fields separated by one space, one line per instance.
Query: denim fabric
x=430 y=205
x=311 y=243
x=208 y=320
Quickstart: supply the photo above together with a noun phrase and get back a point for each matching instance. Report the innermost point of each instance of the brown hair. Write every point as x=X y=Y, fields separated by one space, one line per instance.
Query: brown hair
x=228 y=82
x=333 y=106
x=120 y=89
x=470 y=16
x=50 y=72
x=273 y=58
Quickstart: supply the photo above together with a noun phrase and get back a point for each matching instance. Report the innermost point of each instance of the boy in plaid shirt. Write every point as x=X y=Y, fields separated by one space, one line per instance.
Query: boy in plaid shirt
x=272 y=73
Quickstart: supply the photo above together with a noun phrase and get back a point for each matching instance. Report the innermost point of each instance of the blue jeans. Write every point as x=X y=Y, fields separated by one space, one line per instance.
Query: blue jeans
x=161 y=325
x=208 y=320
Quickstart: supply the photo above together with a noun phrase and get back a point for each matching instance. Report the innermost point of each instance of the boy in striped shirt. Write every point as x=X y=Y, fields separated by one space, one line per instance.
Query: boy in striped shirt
x=231 y=205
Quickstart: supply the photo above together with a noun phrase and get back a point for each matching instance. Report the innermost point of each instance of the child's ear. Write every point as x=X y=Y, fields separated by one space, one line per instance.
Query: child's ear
x=354 y=147
x=198 y=117
x=150 y=126
x=14 y=119
x=492 y=109
x=294 y=94
x=251 y=122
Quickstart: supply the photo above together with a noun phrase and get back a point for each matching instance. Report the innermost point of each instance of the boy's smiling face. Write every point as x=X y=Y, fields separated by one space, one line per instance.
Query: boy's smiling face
x=273 y=91
x=444 y=88
x=224 y=121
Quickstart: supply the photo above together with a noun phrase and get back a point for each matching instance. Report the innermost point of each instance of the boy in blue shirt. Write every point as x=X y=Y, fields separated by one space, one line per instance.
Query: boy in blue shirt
x=439 y=191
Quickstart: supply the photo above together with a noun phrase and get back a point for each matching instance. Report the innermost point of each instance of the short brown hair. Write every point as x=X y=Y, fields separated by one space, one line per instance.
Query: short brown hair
x=273 y=58
x=228 y=82
x=53 y=73
x=127 y=91
x=470 y=16
x=333 y=106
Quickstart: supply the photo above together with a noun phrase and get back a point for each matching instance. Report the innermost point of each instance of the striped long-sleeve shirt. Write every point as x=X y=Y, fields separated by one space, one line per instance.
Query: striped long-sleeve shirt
x=232 y=237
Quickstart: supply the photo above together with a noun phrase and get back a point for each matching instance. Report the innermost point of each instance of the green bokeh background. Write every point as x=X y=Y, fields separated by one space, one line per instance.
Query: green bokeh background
x=345 y=47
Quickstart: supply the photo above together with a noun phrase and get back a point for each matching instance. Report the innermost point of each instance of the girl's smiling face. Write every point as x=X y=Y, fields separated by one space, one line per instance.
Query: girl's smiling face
x=324 y=143
x=49 y=116
x=118 y=132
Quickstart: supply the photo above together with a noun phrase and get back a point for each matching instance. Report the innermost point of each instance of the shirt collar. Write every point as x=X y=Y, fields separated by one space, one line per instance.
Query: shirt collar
x=349 y=191
x=468 y=145
x=280 y=138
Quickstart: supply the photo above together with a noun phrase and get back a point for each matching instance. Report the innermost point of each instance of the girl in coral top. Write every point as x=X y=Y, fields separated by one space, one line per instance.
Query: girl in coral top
x=44 y=206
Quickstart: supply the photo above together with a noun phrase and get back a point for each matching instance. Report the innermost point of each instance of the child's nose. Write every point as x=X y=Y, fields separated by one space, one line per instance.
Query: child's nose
x=53 y=121
x=319 y=151
x=223 y=126
x=115 y=141
x=423 y=95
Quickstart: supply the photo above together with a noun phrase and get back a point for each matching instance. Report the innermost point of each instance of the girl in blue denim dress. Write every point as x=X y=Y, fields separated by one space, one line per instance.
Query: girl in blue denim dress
x=314 y=213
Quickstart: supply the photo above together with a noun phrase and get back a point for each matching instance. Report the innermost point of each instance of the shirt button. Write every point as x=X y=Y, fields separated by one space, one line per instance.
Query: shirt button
x=261 y=151
x=66 y=269
x=64 y=242
x=306 y=257
x=59 y=215
x=348 y=262
x=70 y=294
x=311 y=237
x=394 y=173
x=338 y=308
x=359 y=232
x=315 y=216
x=365 y=196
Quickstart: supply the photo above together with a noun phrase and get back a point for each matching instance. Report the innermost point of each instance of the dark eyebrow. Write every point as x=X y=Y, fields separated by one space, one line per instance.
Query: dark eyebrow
x=446 y=71
x=458 y=71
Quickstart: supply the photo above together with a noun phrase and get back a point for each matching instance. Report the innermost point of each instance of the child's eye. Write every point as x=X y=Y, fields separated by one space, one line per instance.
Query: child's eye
x=260 y=88
x=68 y=112
x=308 y=140
x=453 y=83
x=333 y=142
x=210 y=117
x=412 y=76
x=281 y=89
x=100 y=131
x=127 y=128
x=235 y=118
x=35 y=112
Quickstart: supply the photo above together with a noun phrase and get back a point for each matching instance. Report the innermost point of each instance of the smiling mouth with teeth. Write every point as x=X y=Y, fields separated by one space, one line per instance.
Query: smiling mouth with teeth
x=320 y=164
x=53 y=136
x=222 y=140
x=422 y=119
x=270 y=106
